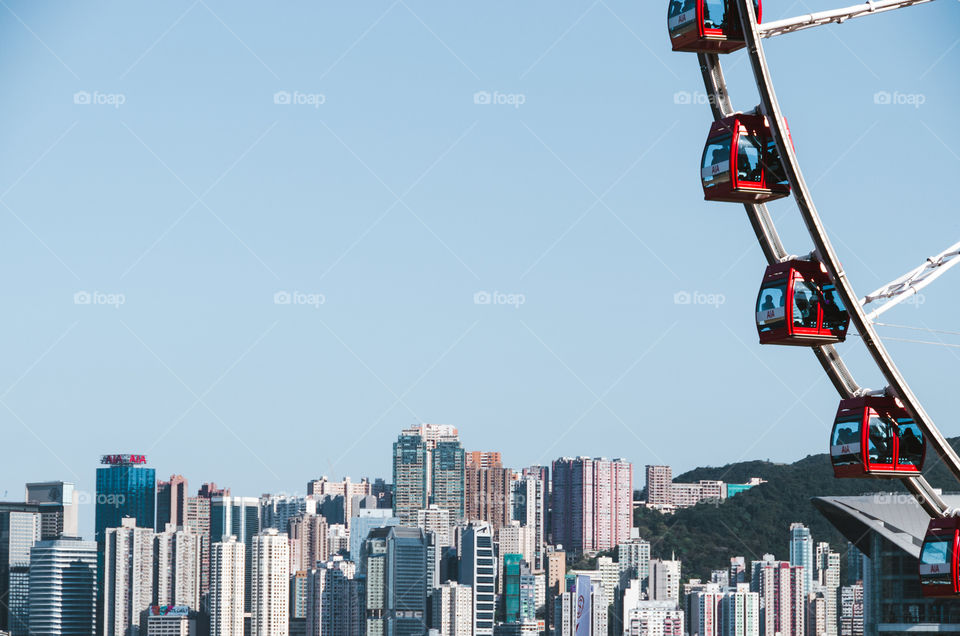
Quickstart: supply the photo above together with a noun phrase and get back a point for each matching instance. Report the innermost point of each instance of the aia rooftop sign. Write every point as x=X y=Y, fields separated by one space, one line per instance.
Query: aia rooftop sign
x=123 y=460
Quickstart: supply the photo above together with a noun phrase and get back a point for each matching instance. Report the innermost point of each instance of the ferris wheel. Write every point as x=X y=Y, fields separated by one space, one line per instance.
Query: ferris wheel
x=808 y=301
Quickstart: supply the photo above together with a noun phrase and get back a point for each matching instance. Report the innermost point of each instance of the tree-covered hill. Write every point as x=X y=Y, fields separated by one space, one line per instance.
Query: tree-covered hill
x=757 y=521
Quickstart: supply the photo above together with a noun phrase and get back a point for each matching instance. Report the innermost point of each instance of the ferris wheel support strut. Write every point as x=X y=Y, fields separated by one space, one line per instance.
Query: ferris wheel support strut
x=913 y=281
x=828 y=257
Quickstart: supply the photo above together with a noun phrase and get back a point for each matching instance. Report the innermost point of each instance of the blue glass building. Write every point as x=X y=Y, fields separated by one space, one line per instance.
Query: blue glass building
x=124 y=489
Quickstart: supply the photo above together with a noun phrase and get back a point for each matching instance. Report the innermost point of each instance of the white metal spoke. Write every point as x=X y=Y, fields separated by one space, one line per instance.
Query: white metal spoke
x=789 y=25
x=913 y=281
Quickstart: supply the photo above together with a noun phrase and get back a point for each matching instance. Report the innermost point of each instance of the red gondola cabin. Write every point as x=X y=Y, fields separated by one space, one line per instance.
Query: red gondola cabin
x=741 y=162
x=874 y=436
x=798 y=304
x=707 y=26
x=938 y=558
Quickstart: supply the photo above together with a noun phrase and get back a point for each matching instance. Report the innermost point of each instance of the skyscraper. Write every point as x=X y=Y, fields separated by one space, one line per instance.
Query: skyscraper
x=396 y=588
x=238 y=517
x=664 y=582
x=452 y=606
x=59 y=506
x=828 y=579
x=410 y=462
x=782 y=602
x=63 y=587
x=740 y=612
x=478 y=570
x=488 y=486
x=447 y=477
x=364 y=520
x=197 y=518
x=333 y=601
x=125 y=488
x=633 y=561
x=529 y=495
x=518 y=590
x=592 y=503
x=269 y=607
x=436 y=520
x=659 y=485
x=20 y=529
x=177 y=572
x=308 y=542
x=349 y=490
x=801 y=553
x=227 y=583
x=171 y=502
x=128 y=578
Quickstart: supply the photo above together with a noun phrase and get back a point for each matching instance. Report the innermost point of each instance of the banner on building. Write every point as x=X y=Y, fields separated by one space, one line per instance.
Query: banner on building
x=583 y=605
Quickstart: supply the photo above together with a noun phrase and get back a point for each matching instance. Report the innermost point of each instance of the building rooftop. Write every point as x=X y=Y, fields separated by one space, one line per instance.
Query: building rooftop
x=895 y=516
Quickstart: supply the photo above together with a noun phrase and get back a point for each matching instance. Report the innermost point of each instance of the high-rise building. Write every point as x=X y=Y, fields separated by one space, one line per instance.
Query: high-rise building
x=436 y=520
x=448 y=477
x=592 y=503
x=514 y=539
x=364 y=520
x=529 y=497
x=452 y=606
x=125 y=488
x=702 y=610
x=854 y=564
x=227 y=587
x=827 y=577
x=410 y=479
x=659 y=485
x=633 y=559
x=171 y=502
x=519 y=590
x=63 y=587
x=478 y=570
x=851 y=610
x=664 y=581
x=488 y=486
x=269 y=607
x=20 y=528
x=738 y=571
x=59 y=508
x=333 y=599
x=396 y=588
x=347 y=489
x=238 y=517
x=801 y=553
x=276 y=511
x=128 y=578
x=815 y=619
x=432 y=434
x=782 y=602
x=309 y=542
x=740 y=612
x=197 y=518
x=565 y=613
x=177 y=571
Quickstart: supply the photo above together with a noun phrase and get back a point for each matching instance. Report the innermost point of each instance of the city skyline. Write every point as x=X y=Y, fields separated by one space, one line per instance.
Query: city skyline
x=588 y=323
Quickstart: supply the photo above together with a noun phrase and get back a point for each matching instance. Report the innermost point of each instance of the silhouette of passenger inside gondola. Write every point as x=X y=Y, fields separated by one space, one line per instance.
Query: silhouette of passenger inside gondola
x=882 y=442
x=675 y=8
x=832 y=315
x=767 y=303
x=846 y=436
x=911 y=447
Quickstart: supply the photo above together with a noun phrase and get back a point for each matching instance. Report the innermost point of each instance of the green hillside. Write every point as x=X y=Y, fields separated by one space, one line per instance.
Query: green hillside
x=757 y=521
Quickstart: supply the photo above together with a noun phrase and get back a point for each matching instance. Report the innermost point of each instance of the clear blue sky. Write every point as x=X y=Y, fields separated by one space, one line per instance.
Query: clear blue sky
x=399 y=198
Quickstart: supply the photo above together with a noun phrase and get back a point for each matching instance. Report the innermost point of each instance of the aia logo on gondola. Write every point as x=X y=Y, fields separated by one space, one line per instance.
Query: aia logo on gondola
x=716 y=169
x=845 y=450
x=934 y=569
x=682 y=18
